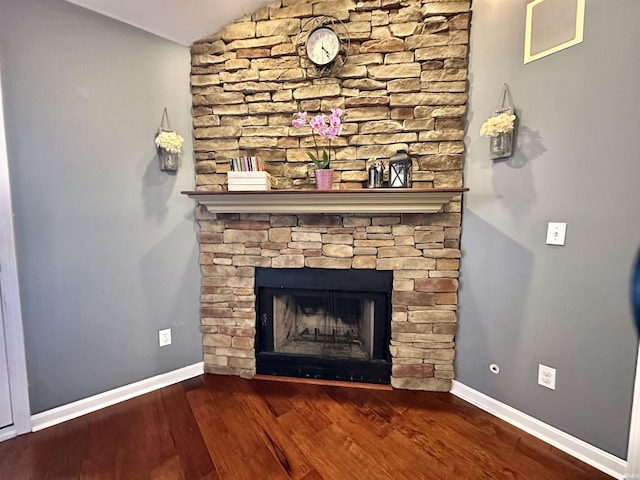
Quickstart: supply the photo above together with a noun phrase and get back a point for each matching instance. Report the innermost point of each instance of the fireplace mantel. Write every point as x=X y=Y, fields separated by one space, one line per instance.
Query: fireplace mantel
x=379 y=200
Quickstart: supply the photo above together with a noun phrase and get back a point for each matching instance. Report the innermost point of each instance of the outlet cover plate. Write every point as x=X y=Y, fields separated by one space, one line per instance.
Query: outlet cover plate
x=547 y=376
x=556 y=233
x=164 y=337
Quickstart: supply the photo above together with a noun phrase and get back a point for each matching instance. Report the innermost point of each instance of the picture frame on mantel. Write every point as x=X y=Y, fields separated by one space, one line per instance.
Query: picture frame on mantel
x=552 y=26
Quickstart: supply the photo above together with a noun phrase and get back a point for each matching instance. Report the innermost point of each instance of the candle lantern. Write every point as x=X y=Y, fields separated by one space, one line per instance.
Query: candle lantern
x=400 y=170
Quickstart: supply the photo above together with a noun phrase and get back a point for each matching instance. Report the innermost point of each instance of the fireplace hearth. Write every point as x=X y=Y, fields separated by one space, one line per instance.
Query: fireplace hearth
x=324 y=324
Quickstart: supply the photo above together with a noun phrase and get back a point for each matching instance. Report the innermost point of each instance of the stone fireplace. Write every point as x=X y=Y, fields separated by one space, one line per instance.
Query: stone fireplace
x=411 y=246
x=403 y=87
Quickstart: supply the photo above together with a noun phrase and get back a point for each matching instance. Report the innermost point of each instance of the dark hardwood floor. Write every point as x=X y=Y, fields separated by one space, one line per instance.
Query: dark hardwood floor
x=215 y=427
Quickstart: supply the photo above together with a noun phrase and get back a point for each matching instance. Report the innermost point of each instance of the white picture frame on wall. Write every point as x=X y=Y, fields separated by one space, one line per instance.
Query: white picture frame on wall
x=552 y=26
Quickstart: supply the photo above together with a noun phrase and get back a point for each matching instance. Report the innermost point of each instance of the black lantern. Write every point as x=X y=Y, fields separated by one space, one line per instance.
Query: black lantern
x=400 y=170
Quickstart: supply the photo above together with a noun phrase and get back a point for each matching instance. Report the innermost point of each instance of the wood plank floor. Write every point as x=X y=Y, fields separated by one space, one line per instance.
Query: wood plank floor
x=227 y=428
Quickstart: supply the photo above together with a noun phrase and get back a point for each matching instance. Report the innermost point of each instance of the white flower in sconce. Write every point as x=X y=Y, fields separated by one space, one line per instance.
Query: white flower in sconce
x=169 y=141
x=498 y=124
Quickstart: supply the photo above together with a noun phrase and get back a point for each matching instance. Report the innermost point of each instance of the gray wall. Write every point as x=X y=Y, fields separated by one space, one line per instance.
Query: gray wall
x=107 y=250
x=523 y=302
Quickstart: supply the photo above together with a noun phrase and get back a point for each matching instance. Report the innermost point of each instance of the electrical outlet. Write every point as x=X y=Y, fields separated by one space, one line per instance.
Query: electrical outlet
x=165 y=337
x=547 y=376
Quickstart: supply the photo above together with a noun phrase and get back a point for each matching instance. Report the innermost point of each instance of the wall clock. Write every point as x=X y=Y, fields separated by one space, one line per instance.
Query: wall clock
x=323 y=46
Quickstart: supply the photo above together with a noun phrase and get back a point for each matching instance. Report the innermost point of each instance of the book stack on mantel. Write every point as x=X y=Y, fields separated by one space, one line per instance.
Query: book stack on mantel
x=248 y=181
x=247 y=174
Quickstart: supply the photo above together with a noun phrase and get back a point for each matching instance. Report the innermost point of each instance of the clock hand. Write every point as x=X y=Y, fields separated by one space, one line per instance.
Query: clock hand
x=326 y=51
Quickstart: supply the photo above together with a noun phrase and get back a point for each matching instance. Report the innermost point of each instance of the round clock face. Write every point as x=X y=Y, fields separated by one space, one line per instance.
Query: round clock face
x=323 y=46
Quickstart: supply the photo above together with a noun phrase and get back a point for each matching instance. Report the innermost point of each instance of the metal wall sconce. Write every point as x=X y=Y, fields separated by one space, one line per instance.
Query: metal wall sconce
x=400 y=170
x=169 y=144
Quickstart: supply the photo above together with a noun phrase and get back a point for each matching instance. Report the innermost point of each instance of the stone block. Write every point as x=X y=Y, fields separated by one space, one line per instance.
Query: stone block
x=316 y=91
x=443 y=253
x=257 y=42
x=236 y=352
x=441 y=52
x=403 y=30
x=364 y=262
x=242 y=342
x=407 y=327
x=391 y=72
x=425 y=98
x=281 y=234
x=216 y=370
x=441 y=162
x=407 y=240
x=251 y=261
x=305 y=245
x=404 y=251
x=366 y=59
x=373 y=243
x=436 y=285
x=447 y=264
x=360 y=176
x=441 y=135
x=365 y=101
x=446 y=328
x=296 y=10
x=215 y=360
x=450 y=147
x=284 y=26
x=426 y=384
x=403 y=285
x=328 y=262
x=337 y=8
x=404 y=85
x=288 y=261
x=412 y=298
x=458 y=37
x=244 y=236
x=342 y=251
x=241 y=30
x=415 y=370
x=383 y=45
x=342 y=238
x=443 y=8
x=216 y=340
x=459 y=22
x=319 y=221
x=244 y=363
x=381 y=127
x=432 y=316
x=412 y=263
x=450 y=179
x=446 y=299
x=421 y=337
x=298 y=236
x=383 y=138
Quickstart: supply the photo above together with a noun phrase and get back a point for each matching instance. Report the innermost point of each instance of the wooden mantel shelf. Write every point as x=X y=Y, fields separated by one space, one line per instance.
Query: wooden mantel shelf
x=378 y=200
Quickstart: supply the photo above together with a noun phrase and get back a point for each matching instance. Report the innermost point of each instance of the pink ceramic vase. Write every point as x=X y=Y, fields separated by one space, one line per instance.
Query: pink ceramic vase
x=324 y=179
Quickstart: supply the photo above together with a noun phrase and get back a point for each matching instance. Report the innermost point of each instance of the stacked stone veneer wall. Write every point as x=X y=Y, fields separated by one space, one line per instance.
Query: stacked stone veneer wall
x=403 y=87
x=424 y=294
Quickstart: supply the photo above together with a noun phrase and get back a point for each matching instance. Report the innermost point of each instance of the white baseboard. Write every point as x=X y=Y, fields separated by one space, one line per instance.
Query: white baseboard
x=106 y=399
x=7 y=433
x=603 y=461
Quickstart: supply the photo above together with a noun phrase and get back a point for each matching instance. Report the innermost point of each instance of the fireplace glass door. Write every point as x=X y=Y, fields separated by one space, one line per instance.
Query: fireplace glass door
x=340 y=333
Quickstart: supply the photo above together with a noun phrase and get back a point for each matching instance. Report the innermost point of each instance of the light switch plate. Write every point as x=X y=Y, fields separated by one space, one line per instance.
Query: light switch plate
x=556 y=233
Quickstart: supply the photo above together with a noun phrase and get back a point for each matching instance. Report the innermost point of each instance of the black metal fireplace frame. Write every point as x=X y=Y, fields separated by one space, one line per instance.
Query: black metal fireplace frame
x=373 y=284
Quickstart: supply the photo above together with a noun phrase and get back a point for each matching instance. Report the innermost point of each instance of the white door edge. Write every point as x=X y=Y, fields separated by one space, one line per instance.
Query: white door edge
x=10 y=293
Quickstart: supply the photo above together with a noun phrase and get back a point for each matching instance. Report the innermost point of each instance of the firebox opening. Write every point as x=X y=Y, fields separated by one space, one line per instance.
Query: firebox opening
x=326 y=324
